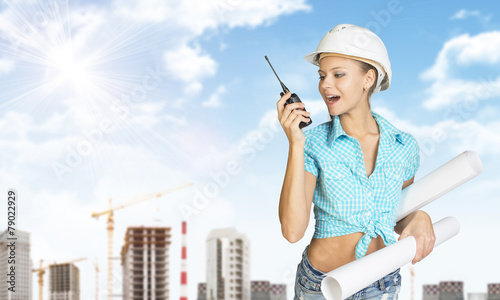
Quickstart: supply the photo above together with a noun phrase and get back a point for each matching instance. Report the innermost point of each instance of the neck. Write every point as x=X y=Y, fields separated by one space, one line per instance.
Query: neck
x=359 y=122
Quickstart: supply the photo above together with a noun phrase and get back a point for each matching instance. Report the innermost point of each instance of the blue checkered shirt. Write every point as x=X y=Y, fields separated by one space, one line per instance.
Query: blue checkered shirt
x=345 y=199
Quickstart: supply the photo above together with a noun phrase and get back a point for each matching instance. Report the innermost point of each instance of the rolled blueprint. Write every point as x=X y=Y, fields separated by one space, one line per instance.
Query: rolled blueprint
x=439 y=182
x=353 y=277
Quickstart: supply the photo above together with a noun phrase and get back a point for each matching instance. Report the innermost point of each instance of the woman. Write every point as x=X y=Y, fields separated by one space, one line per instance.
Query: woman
x=353 y=167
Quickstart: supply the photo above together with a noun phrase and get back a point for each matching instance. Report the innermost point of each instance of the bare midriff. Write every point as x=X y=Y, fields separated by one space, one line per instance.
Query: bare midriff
x=327 y=254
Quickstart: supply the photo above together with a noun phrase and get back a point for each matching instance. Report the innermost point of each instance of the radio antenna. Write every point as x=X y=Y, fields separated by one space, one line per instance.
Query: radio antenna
x=285 y=89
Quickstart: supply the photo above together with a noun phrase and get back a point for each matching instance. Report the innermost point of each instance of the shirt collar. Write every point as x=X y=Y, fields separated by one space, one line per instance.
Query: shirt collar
x=388 y=132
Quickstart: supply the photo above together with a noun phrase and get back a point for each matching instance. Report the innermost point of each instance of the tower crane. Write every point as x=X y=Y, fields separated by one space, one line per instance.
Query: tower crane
x=412 y=274
x=96 y=266
x=41 y=272
x=110 y=225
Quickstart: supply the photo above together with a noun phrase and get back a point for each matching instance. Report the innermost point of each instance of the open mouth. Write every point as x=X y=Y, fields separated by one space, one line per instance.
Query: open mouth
x=332 y=98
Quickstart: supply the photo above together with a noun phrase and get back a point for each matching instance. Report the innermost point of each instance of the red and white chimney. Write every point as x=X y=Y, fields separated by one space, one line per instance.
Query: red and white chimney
x=184 y=289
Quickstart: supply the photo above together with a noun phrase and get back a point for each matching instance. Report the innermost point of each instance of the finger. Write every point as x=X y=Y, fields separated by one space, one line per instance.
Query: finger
x=281 y=102
x=289 y=109
x=418 y=253
x=292 y=112
x=429 y=243
x=299 y=119
x=295 y=118
x=430 y=248
x=293 y=106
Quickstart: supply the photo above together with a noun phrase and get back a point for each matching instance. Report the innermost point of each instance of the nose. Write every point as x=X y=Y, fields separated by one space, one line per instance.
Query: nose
x=326 y=83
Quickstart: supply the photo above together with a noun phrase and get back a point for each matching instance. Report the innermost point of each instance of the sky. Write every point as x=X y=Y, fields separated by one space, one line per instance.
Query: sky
x=118 y=100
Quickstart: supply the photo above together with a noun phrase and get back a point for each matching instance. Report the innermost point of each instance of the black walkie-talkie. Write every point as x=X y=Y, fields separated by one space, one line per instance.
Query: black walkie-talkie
x=293 y=98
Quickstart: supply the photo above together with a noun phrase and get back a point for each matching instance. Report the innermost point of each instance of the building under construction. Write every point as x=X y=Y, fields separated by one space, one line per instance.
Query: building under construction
x=64 y=282
x=144 y=258
x=22 y=266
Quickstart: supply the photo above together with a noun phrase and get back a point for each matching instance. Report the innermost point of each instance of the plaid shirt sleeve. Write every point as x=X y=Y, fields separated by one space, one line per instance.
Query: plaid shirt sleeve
x=310 y=164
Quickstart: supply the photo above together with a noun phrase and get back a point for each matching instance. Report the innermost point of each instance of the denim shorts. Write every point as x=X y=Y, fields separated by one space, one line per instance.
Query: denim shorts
x=308 y=284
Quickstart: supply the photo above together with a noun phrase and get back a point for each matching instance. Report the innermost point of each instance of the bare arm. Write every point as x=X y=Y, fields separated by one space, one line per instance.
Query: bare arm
x=419 y=225
x=298 y=185
x=296 y=200
x=404 y=222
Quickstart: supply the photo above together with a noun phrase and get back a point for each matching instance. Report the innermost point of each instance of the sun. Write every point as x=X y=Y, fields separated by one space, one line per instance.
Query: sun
x=67 y=68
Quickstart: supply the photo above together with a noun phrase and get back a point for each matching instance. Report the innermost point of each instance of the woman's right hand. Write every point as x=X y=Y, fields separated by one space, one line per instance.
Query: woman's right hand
x=290 y=118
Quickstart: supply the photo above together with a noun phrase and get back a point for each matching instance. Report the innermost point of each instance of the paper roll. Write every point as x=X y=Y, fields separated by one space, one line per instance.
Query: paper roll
x=353 y=277
x=439 y=182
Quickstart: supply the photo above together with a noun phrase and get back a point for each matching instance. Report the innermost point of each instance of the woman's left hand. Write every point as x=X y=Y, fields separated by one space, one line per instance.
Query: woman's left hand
x=420 y=227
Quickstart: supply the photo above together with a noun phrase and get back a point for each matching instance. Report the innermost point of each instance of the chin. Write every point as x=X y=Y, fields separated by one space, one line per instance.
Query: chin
x=334 y=111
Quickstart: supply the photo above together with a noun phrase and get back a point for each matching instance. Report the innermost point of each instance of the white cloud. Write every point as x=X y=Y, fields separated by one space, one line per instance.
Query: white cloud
x=190 y=64
x=196 y=16
x=214 y=100
x=189 y=20
x=146 y=10
x=464 y=14
x=458 y=52
x=454 y=134
x=449 y=92
x=193 y=88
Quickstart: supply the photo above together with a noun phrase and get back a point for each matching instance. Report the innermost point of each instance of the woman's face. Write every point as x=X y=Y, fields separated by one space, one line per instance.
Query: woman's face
x=341 y=84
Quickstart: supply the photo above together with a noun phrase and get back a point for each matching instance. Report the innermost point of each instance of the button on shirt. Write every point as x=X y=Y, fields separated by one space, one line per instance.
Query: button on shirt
x=345 y=199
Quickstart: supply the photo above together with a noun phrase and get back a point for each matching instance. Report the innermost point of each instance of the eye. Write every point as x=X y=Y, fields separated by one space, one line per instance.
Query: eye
x=321 y=77
x=338 y=75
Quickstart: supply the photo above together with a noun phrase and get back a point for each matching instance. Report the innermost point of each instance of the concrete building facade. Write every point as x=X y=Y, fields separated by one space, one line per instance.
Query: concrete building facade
x=228 y=265
x=202 y=291
x=145 y=261
x=477 y=296
x=494 y=291
x=451 y=290
x=278 y=291
x=22 y=265
x=260 y=290
x=430 y=292
x=64 y=282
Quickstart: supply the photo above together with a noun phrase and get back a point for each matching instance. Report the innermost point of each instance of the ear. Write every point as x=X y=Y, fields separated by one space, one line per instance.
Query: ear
x=369 y=79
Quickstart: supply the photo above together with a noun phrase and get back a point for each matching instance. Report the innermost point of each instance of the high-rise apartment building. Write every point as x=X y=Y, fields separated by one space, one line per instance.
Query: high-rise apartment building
x=22 y=266
x=145 y=263
x=64 y=282
x=228 y=265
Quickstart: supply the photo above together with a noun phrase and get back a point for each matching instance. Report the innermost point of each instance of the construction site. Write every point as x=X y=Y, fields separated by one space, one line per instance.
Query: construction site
x=145 y=263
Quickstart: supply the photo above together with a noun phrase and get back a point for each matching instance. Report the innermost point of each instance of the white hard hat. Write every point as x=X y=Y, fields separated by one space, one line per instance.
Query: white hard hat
x=358 y=43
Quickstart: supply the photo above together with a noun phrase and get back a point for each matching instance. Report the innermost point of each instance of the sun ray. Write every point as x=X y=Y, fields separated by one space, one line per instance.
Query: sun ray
x=64 y=62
